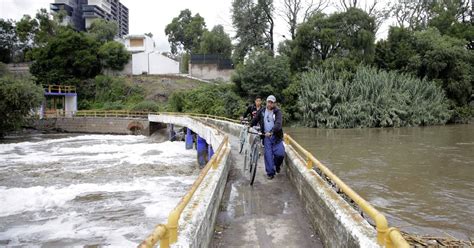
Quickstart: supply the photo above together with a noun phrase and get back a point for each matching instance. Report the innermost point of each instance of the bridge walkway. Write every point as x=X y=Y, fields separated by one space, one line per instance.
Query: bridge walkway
x=269 y=214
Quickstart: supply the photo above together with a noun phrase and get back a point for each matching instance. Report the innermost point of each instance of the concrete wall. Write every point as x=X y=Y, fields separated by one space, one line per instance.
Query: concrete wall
x=196 y=224
x=153 y=63
x=98 y=125
x=337 y=223
x=71 y=105
x=209 y=72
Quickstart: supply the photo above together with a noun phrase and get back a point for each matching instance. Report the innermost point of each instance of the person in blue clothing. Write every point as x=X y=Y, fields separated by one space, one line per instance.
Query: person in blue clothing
x=270 y=120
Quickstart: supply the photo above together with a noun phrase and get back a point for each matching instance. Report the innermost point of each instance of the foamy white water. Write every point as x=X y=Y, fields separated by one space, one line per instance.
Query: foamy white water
x=83 y=190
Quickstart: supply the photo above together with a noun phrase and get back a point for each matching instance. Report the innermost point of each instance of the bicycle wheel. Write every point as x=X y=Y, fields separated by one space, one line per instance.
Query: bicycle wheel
x=253 y=163
x=245 y=168
x=242 y=140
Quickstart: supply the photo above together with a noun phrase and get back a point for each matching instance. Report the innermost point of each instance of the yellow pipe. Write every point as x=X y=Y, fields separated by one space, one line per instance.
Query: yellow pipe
x=380 y=220
x=159 y=233
x=395 y=239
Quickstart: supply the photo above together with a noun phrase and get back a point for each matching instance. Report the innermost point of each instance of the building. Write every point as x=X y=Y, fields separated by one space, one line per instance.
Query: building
x=81 y=13
x=60 y=100
x=210 y=67
x=145 y=59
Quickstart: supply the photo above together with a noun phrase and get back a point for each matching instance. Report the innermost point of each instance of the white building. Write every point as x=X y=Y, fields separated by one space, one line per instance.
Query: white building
x=145 y=59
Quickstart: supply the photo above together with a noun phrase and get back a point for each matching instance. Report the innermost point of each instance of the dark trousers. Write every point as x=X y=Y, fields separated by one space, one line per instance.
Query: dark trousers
x=274 y=154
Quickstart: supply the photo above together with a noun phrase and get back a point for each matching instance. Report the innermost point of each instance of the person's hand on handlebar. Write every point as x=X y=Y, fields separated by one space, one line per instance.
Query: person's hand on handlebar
x=268 y=134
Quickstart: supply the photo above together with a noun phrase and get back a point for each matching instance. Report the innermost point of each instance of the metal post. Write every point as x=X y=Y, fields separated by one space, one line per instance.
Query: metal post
x=201 y=151
x=189 y=139
x=210 y=152
x=172 y=134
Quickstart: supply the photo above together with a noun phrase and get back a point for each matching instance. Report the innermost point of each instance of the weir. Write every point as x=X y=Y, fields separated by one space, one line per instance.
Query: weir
x=303 y=206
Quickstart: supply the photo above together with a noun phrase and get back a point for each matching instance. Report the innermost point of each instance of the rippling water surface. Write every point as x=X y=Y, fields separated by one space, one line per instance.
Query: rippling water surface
x=86 y=190
x=421 y=178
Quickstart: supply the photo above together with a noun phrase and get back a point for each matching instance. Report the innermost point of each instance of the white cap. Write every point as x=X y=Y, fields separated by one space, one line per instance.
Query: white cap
x=271 y=98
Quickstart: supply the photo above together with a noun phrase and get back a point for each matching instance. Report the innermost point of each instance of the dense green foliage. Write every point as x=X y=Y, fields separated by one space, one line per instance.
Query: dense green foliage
x=67 y=57
x=348 y=34
x=209 y=99
x=216 y=41
x=146 y=106
x=369 y=98
x=253 y=24
x=428 y=54
x=262 y=75
x=185 y=32
x=113 y=55
x=72 y=57
x=103 y=30
x=7 y=40
x=17 y=98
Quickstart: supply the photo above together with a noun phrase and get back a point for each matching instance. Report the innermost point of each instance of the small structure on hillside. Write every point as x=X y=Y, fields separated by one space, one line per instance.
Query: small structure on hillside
x=147 y=60
x=210 y=67
x=60 y=100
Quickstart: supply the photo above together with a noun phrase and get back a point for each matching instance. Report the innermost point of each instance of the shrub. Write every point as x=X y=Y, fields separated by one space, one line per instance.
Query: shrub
x=370 y=98
x=113 y=106
x=208 y=99
x=146 y=106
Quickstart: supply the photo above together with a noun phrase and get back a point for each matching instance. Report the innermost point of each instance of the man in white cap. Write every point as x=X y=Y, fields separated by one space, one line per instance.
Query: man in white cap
x=270 y=120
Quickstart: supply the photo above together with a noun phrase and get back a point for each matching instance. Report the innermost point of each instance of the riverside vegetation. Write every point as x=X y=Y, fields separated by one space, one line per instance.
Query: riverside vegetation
x=330 y=73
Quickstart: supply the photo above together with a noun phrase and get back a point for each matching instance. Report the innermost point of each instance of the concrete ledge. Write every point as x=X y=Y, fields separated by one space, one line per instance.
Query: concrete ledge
x=99 y=125
x=338 y=224
x=196 y=223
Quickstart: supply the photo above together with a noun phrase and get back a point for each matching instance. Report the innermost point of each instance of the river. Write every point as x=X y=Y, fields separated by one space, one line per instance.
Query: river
x=69 y=190
x=422 y=179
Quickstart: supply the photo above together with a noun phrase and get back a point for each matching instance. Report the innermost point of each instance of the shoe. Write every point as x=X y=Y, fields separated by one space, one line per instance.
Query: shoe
x=278 y=170
x=270 y=177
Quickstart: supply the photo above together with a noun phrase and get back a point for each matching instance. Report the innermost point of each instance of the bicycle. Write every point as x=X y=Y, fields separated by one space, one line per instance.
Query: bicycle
x=255 y=148
x=243 y=134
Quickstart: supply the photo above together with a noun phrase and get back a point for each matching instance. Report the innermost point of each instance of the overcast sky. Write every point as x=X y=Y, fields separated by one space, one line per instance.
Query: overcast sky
x=153 y=15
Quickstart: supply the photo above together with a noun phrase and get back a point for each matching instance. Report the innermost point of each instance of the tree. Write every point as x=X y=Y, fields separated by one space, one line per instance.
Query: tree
x=26 y=30
x=413 y=15
x=47 y=27
x=185 y=32
x=371 y=7
x=17 y=98
x=454 y=18
x=217 y=41
x=66 y=58
x=262 y=75
x=103 y=30
x=113 y=55
x=350 y=34
x=8 y=39
x=429 y=54
x=295 y=12
x=250 y=23
x=268 y=9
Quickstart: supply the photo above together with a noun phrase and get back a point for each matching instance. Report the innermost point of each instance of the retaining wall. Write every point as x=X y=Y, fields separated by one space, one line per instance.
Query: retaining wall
x=196 y=223
x=337 y=223
x=98 y=125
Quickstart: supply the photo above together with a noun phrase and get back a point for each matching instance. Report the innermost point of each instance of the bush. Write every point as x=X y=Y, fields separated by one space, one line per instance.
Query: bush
x=17 y=98
x=262 y=75
x=219 y=100
x=113 y=106
x=370 y=98
x=146 y=106
x=113 y=89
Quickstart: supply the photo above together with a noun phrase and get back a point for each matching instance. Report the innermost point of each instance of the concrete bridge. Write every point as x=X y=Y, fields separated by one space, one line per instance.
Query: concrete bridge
x=305 y=206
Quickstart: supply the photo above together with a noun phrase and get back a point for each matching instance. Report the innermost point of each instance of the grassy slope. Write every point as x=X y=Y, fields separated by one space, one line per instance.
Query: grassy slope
x=159 y=87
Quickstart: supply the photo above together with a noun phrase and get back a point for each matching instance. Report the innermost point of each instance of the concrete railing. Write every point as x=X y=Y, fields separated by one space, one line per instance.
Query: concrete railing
x=191 y=222
x=388 y=237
